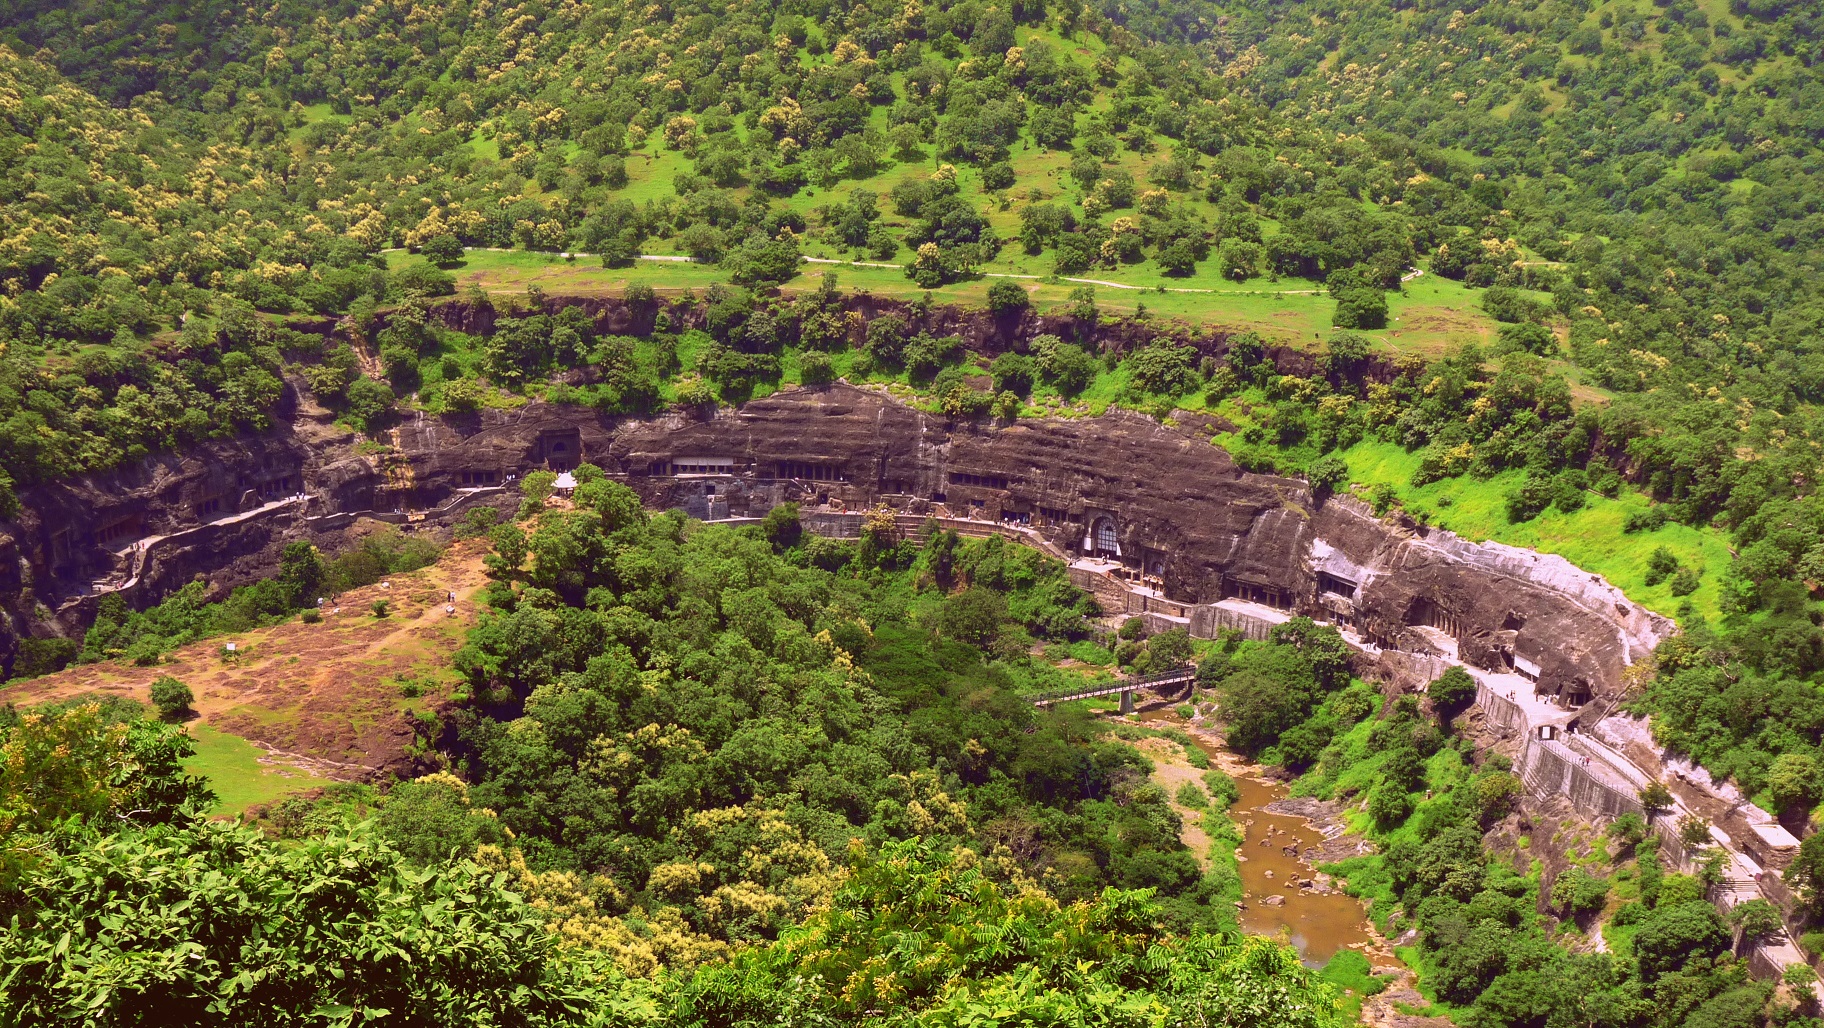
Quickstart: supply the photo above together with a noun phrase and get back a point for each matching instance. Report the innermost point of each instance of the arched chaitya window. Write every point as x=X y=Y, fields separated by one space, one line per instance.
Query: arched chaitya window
x=1105 y=541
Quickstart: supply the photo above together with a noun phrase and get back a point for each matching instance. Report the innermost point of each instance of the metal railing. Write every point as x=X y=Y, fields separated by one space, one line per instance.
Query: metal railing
x=1175 y=676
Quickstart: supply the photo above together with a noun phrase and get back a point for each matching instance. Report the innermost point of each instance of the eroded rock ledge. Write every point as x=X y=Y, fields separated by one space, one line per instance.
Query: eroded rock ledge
x=1158 y=504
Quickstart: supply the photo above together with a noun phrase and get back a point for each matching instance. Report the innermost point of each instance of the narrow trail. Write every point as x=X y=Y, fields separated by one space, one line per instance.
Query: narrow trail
x=829 y=261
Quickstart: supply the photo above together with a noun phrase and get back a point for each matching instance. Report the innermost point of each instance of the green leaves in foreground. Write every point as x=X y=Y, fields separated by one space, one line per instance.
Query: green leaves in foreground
x=212 y=924
x=207 y=923
x=919 y=936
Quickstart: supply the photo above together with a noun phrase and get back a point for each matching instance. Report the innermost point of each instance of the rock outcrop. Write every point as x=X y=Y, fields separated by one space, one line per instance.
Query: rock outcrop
x=1158 y=504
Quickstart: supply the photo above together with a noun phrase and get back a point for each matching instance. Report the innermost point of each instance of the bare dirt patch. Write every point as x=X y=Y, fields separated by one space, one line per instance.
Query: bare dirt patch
x=332 y=696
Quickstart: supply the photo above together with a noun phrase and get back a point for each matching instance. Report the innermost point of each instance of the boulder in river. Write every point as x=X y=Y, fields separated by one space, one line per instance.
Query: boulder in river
x=1275 y=901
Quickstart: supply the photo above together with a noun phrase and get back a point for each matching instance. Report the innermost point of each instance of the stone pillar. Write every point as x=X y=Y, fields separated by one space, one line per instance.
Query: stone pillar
x=1127 y=701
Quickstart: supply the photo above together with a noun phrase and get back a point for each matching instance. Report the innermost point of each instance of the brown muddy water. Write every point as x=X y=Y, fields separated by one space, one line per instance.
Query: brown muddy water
x=1320 y=921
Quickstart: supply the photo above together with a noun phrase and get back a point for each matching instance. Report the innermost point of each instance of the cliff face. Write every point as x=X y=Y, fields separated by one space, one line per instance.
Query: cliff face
x=1162 y=503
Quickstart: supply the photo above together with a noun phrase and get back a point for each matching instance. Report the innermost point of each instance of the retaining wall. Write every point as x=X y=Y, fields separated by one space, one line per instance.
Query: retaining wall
x=1500 y=711
x=1548 y=766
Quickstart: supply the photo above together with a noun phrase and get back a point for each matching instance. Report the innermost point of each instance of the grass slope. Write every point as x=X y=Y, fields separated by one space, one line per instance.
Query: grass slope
x=241 y=774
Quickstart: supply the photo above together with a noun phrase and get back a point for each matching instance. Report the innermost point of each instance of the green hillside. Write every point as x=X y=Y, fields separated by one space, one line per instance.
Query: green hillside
x=1539 y=272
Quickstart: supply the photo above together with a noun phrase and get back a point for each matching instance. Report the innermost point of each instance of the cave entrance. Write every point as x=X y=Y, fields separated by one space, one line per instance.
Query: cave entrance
x=1104 y=539
x=1336 y=585
x=118 y=533
x=1427 y=614
x=560 y=449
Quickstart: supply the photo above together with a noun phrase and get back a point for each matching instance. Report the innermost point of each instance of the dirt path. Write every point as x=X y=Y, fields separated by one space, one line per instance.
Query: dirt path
x=339 y=692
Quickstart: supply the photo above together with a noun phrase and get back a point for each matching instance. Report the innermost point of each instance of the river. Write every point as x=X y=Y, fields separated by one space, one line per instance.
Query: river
x=1319 y=921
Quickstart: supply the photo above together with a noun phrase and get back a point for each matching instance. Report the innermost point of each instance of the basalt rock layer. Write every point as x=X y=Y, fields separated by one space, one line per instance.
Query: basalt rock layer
x=1158 y=504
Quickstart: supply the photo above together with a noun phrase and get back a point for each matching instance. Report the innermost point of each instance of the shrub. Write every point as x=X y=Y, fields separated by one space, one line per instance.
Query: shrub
x=442 y=250
x=381 y=608
x=1365 y=307
x=424 y=280
x=1222 y=788
x=1504 y=304
x=1012 y=373
x=1684 y=582
x=1453 y=691
x=171 y=697
x=1326 y=473
x=1655 y=798
x=1644 y=520
x=1007 y=295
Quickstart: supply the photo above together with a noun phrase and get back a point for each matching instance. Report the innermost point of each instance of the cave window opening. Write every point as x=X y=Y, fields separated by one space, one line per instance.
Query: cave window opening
x=1104 y=540
x=116 y=531
x=806 y=471
x=1329 y=583
x=212 y=505
x=977 y=481
x=1054 y=515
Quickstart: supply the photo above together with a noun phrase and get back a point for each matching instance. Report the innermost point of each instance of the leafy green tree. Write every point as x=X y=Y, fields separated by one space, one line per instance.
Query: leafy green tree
x=1756 y=919
x=760 y=260
x=1655 y=798
x=1013 y=372
x=1578 y=893
x=301 y=573
x=87 y=762
x=1806 y=871
x=1672 y=935
x=1326 y=473
x=318 y=934
x=429 y=820
x=1163 y=368
x=1452 y=692
x=442 y=250
x=1170 y=649
x=973 y=615
x=782 y=527
x=171 y=697
x=1361 y=307
x=1793 y=782
x=1007 y=295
